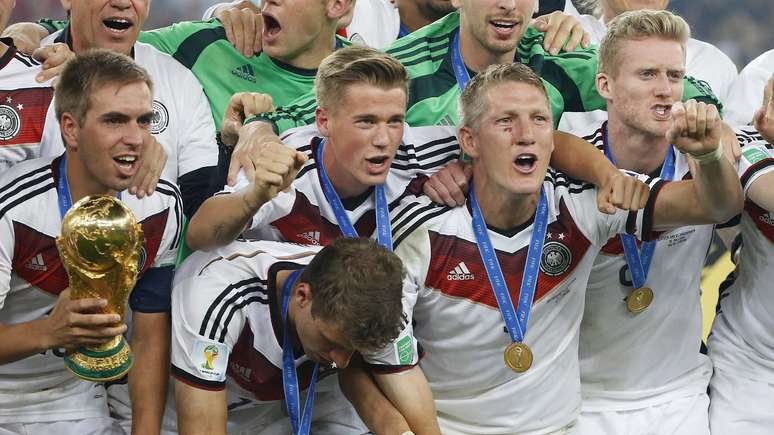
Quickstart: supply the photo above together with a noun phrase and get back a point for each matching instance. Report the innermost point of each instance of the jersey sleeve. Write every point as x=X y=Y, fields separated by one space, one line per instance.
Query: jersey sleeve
x=201 y=345
x=300 y=112
x=405 y=352
x=425 y=150
x=174 y=39
x=700 y=90
x=757 y=159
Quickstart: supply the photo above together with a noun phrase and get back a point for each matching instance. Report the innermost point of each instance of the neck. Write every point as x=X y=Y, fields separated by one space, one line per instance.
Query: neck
x=80 y=183
x=476 y=56
x=311 y=56
x=501 y=209
x=345 y=185
x=634 y=150
x=411 y=17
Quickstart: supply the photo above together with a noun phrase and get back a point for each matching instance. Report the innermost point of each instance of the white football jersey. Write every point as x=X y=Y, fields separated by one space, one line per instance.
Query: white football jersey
x=703 y=61
x=227 y=327
x=457 y=324
x=746 y=94
x=32 y=275
x=27 y=115
x=182 y=121
x=741 y=340
x=302 y=214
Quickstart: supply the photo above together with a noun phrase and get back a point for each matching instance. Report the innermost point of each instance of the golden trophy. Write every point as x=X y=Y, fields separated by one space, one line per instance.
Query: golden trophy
x=100 y=249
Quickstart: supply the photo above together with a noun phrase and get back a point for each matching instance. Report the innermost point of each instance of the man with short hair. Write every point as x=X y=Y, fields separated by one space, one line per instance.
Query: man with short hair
x=641 y=333
x=523 y=224
x=104 y=106
x=245 y=320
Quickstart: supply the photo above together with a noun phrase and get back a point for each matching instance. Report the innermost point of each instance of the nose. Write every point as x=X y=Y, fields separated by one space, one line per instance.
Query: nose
x=135 y=134
x=121 y=4
x=663 y=86
x=509 y=5
x=381 y=138
x=523 y=131
x=340 y=357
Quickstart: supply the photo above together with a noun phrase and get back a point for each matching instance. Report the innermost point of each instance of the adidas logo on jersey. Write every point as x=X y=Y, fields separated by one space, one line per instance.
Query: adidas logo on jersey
x=36 y=263
x=244 y=72
x=460 y=273
x=312 y=237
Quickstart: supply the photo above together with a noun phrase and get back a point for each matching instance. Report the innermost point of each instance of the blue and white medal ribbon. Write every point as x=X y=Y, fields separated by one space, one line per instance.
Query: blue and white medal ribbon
x=63 y=188
x=518 y=356
x=639 y=260
x=382 y=212
x=301 y=423
x=460 y=70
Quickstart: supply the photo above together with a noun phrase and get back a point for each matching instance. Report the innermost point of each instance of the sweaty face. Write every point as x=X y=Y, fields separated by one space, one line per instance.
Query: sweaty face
x=648 y=81
x=497 y=25
x=617 y=7
x=110 y=24
x=110 y=140
x=291 y=27
x=363 y=129
x=514 y=139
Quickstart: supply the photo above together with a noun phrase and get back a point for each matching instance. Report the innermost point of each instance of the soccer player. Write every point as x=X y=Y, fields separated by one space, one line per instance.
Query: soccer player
x=523 y=224
x=740 y=343
x=104 y=106
x=251 y=317
x=704 y=62
x=642 y=326
x=182 y=123
x=745 y=95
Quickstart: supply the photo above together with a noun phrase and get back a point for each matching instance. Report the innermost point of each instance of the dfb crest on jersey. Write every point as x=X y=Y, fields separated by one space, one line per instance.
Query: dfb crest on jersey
x=556 y=259
x=10 y=123
x=357 y=38
x=160 y=120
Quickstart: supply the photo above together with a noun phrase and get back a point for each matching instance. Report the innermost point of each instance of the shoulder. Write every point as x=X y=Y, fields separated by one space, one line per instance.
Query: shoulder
x=430 y=41
x=25 y=183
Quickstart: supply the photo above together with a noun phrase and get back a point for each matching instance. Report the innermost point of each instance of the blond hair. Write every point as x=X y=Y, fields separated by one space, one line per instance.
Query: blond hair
x=641 y=24
x=474 y=101
x=88 y=72
x=353 y=65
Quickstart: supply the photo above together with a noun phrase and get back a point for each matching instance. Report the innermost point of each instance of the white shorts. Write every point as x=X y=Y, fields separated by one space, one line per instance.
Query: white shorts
x=740 y=406
x=86 y=426
x=684 y=416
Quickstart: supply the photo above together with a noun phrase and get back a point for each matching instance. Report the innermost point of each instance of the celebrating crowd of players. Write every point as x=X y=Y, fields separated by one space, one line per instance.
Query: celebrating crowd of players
x=434 y=216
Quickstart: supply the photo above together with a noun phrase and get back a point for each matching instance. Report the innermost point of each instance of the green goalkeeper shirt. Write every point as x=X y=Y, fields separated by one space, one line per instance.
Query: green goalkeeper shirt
x=434 y=93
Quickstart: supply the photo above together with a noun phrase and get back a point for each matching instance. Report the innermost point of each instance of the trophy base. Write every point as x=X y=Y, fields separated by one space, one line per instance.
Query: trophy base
x=101 y=365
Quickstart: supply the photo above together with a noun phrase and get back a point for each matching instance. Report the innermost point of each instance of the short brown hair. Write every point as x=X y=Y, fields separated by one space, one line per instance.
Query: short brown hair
x=357 y=64
x=641 y=24
x=90 y=71
x=357 y=285
x=474 y=101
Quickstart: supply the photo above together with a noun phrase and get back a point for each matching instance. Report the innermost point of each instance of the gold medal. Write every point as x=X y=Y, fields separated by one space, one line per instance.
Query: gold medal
x=639 y=300
x=518 y=357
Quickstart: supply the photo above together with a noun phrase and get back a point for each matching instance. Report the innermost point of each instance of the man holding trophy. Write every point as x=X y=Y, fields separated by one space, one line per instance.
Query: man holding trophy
x=73 y=245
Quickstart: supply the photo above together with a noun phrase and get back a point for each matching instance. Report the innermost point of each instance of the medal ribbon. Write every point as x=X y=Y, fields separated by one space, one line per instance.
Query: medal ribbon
x=639 y=260
x=402 y=31
x=516 y=321
x=460 y=70
x=301 y=423
x=383 y=229
x=63 y=188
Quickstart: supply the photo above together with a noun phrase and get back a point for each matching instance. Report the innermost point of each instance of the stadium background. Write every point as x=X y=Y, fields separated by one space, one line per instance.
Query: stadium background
x=740 y=28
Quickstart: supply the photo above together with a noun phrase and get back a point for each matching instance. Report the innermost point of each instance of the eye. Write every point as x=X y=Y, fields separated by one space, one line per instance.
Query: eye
x=540 y=119
x=676 y=75
x=648 y=74
x=506 y=121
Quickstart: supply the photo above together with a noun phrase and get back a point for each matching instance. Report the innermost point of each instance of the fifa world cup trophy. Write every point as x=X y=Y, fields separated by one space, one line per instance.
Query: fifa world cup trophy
x=100 y=249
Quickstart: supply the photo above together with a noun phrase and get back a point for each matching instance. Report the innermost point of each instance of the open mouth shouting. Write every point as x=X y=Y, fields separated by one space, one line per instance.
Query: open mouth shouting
x=663 y=112
x=271 y=28
x=504 y=28
x=525 y=163
x=117 y=25
x=127 y=164
x=377 y=165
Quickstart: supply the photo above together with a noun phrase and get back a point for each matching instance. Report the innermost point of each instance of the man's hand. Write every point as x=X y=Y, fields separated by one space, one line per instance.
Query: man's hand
x=152 y=161
x=764 y=117
x=449 y=185
x=72 y=323
x=561 y=30
x=54 y=58
x=252 y=138
x=243 y=25
x=26 y=36
x=622 y=192
x=276 y=166
x=696 y=128
x=241 y=106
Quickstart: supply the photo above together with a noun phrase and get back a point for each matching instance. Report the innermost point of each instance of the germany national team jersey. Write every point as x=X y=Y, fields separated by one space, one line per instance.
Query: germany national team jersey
x=26 y=114
x=434 y=93
x=457 y=322
x=741 y=340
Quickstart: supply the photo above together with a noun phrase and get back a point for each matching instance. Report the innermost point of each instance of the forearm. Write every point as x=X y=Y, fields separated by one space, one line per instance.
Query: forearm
x=374 y=408
x=149 y=377
x=410 y=393
x=200 y=412
x=717 y=190
x=221 y=219
x=21 y=340
x=580 y=159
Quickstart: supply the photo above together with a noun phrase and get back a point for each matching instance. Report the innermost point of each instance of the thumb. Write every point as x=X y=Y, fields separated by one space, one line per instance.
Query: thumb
x=300 y=159
x=603 y=202
x=468 y=171
x=758 y=118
